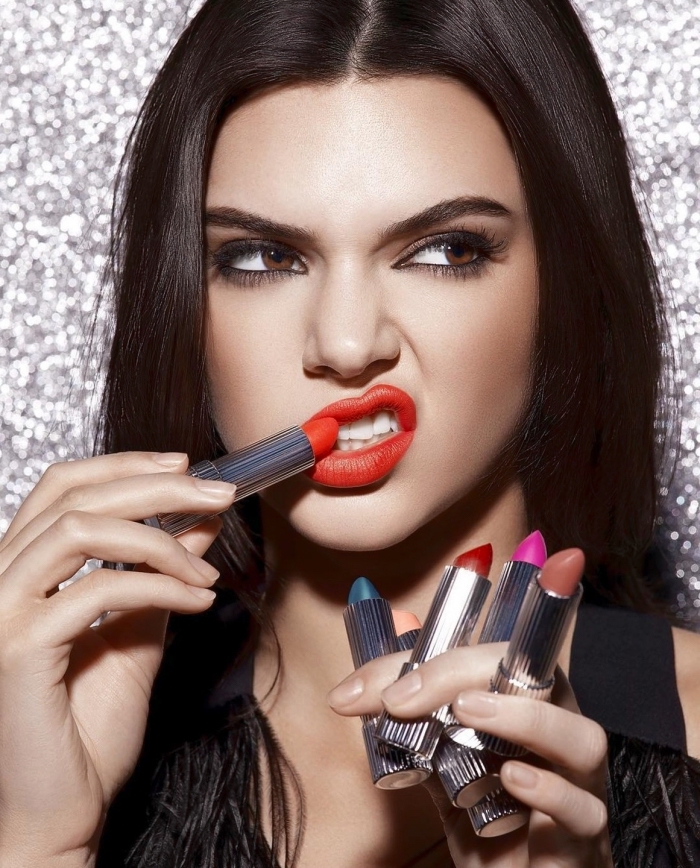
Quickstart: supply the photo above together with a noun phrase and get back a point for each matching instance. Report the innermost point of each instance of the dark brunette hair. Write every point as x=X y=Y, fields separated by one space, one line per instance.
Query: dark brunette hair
x=588 y=450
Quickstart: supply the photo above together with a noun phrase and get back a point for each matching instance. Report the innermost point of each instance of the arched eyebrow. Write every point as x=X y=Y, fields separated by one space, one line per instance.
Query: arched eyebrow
x=448 y=209
x=235 y=218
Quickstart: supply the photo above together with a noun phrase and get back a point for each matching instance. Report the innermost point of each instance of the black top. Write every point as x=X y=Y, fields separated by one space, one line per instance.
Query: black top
x=622 y=671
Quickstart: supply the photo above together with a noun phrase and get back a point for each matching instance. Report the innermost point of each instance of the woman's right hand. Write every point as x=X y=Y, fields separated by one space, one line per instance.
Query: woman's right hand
x=74 y=700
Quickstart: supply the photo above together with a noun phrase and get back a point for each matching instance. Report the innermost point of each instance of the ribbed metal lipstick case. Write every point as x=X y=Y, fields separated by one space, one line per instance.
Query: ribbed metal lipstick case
x=370 y=628
x=251 y=469
x=407 y=641
x=450 y=622
x=498 y=813
x=507 y=601
x=466 y=770
x=531 y=659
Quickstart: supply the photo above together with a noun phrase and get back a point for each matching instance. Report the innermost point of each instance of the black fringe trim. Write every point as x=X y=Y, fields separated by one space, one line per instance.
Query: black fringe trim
x=209 y=799
x=654 y=805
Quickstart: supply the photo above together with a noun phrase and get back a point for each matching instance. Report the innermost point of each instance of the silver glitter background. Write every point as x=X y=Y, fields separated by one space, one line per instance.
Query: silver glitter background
x=73 y=76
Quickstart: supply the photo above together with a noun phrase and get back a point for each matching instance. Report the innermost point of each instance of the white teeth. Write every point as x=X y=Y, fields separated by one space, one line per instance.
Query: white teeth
x=366 y=431
x=381 y=424
x=361 y=429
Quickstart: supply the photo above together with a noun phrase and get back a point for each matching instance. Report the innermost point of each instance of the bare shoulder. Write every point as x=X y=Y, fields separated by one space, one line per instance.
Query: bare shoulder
x=686 y=646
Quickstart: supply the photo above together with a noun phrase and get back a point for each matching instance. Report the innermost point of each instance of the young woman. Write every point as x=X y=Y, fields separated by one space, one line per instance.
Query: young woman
x=325 y=202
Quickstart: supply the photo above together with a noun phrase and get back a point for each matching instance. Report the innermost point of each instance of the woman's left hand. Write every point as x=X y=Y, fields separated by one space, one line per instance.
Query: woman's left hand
x=564 y=783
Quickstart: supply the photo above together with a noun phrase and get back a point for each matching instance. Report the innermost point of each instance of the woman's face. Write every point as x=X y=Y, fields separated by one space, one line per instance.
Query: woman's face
x=369 y=233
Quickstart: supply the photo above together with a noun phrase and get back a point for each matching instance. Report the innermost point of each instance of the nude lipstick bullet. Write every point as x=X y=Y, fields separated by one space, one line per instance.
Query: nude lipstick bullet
x=528 y=670
x=538 y=635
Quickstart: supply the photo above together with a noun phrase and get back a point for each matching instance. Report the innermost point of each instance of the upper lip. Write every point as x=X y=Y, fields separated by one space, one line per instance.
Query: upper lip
x=379 y=397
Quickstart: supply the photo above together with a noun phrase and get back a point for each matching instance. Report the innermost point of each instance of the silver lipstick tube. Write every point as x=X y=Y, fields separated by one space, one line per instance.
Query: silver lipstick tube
x=466 y=770
x=453 y=614
x=498 y=813
x=531 y=659
x=251 y=469
x=510 y=592
x=407 y=641
x=370 y=628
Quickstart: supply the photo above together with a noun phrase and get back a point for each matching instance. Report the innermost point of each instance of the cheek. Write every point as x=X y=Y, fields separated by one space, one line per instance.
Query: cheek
x=480 y=357
x=247 y=354
x=477 y=373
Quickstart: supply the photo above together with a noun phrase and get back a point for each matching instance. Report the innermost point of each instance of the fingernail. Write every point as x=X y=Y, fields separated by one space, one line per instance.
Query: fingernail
x=521 y=775
x=205 y=593
x=203 y=568
x=346 y=692
x=219 y=489
x=476 y=704
x=169 y=459
x=402 y=690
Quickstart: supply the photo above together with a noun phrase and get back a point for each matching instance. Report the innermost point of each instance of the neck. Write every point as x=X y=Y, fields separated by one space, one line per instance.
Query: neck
x=309 y=584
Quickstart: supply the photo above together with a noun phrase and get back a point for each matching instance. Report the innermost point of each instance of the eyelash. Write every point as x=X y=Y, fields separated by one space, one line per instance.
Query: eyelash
x=483 y=243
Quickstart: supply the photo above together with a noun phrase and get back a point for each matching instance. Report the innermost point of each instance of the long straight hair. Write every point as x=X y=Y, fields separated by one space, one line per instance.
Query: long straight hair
x=587 y=451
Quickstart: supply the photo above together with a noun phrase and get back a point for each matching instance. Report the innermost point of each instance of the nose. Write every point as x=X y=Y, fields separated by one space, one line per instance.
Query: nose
x=351 y=332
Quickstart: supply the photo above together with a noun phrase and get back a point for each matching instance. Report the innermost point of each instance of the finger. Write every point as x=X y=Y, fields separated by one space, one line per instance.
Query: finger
x=64 y=547
x=575 y=810
x=436 y=682
x=70 y=474
x=135 y=498
x=560 y=736
x=360 y=692
x=56 y=622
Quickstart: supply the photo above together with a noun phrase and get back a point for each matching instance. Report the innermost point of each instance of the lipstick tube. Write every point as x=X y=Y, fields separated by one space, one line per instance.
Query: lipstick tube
x=466 y=770
x=497 y=813
x=531 y=659
x=258 y=466
x=370 y=627
x=407 y=628
x=450 y=622
x=507 y=601
x=407 y=641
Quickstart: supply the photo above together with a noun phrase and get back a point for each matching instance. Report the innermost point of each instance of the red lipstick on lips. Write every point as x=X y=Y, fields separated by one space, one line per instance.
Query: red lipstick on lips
x=368 y=464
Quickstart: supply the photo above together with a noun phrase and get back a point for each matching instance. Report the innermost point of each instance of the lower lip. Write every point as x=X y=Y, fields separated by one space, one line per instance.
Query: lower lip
x=362 y=466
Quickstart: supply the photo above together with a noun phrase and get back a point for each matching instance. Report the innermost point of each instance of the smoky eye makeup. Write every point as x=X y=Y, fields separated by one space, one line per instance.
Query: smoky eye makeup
x=250 y=261
x=253 y=261
x=457 y=253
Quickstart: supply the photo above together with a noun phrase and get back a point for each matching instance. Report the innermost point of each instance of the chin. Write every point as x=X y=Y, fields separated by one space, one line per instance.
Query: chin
x=368 y=522
x=354 y=537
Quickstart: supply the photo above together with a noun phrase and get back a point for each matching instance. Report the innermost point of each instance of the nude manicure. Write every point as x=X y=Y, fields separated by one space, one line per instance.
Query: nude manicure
x=346 y=693
x=169 y=459
x=203 y=568
x=220 y=490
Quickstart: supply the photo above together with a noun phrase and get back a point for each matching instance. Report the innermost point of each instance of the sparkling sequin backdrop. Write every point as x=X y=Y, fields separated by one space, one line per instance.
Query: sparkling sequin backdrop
x=73 y=76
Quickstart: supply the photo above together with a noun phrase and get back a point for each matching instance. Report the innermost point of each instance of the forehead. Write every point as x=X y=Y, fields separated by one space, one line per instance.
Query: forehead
x=370 y=148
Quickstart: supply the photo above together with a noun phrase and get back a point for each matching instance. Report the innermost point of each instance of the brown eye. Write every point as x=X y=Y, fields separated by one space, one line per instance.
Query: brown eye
x=459 y=254
x=449 y=252
x=276 y=259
